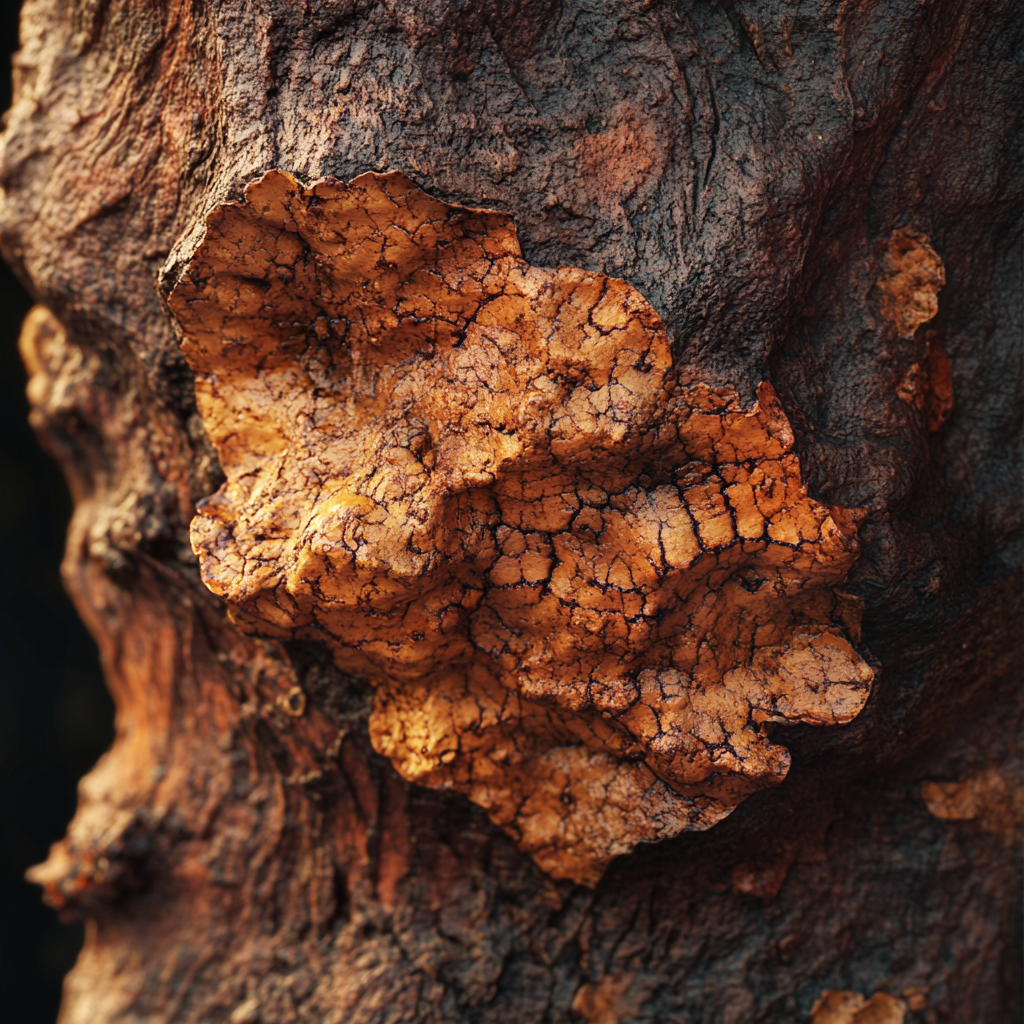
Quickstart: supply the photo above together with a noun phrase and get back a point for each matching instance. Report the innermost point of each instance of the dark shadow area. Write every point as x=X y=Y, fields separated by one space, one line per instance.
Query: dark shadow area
x=56 y=717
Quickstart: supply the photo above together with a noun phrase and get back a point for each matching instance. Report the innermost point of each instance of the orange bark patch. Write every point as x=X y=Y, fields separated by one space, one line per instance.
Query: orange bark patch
x=911 y=279
x=851 y=1008
x=940 y=386
x=929 y=388
x=582 y=589
x=988 y=798
x=613 y=164
x=606 y=1001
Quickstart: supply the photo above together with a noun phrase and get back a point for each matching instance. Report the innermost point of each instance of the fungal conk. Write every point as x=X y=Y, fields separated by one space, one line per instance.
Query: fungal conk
x=582 y=589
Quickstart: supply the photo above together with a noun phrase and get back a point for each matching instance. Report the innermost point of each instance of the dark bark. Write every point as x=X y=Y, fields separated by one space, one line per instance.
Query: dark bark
x=745 y=166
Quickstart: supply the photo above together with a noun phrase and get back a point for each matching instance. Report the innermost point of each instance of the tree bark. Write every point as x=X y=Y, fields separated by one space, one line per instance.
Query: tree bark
x=823 y=197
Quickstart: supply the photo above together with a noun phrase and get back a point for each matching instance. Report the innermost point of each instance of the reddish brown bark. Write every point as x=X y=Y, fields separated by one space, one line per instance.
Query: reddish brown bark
x=823 y=197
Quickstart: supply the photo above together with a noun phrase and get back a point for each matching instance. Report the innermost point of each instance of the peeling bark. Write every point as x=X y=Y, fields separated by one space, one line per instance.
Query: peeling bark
x=811 y=216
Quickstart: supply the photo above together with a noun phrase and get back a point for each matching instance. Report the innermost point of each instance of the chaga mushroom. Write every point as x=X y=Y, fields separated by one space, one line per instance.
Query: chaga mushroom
x=584 y=590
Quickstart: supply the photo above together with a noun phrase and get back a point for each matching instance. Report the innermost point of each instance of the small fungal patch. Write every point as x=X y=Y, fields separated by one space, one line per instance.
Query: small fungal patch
x=911 y=279
x=852 y=1008
x=987 y=797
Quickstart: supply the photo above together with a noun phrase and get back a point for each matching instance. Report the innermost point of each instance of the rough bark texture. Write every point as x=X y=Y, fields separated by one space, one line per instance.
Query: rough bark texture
x=789 y=185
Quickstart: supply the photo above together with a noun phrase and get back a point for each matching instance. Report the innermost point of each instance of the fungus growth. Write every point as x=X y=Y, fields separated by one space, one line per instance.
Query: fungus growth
x=583 y=590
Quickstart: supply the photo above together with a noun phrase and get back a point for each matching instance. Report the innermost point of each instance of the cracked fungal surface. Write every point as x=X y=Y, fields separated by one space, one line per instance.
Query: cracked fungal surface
x=584 y=590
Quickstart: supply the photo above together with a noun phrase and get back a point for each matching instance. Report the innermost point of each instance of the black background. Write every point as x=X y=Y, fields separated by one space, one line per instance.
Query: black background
x=55 y=715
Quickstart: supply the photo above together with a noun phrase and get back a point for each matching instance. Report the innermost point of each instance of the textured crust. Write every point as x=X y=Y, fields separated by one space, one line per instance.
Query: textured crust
x=582 y=589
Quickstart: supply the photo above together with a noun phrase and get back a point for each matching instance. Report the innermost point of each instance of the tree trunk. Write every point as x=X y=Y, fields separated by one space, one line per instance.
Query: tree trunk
x=600 y=430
